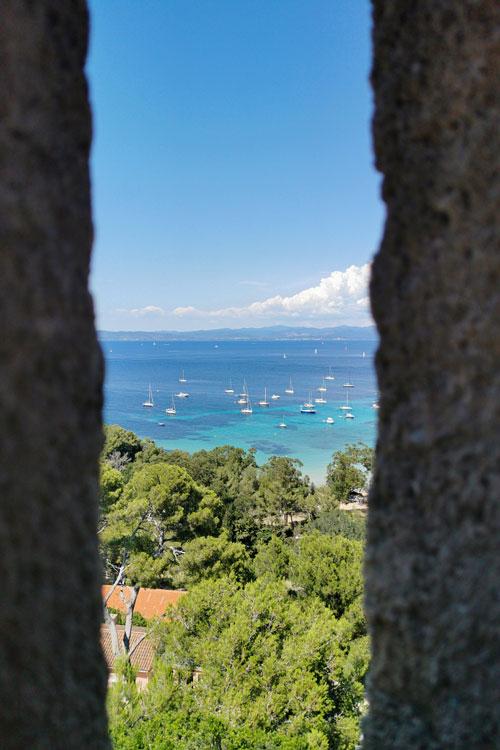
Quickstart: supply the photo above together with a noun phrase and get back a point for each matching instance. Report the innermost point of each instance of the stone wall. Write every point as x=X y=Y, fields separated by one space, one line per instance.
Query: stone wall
x=52 y=676
x=432 y=566
x=433 y=559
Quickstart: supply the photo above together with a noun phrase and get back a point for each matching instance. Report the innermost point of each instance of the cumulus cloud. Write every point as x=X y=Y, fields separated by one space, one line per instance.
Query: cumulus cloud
x=140 y=312
x=341 y=297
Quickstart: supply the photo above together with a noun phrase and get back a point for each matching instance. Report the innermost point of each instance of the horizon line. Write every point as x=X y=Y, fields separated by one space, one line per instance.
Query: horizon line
x=229 y=328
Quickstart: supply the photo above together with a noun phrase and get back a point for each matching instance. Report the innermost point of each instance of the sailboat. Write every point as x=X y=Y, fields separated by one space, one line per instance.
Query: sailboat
x=346 y=407
x=308 y=407
x=264 y=401
x=171 y=410
x=329 y=376
x=320 y=400
x=149 y=401
x=283 y=424
x=243 y=399
x=348 y=383
x=230 y=389
x=247 y=409
x=290 y=390
x=182 y=377
x=322 y=388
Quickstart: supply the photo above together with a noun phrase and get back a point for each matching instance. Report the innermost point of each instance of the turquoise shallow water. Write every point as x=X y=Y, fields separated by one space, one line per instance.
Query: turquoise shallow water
x=209 y=417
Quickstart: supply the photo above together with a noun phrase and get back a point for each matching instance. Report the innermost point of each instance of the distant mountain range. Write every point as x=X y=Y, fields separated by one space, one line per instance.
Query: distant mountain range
x=270 y=333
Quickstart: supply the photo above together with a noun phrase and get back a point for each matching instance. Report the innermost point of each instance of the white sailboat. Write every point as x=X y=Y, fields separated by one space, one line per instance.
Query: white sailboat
x=320 y=400
x=348 y=383
x=322 y=388
x=229 y=390
x=283 y=425
x=171 y=410
x=329 y=376
x=182 y=377
x=243 y=399
x=308 y=407
x=290 y=390
x=149 y=401
x=346 y=407
x=247 y=409
x=264 y=401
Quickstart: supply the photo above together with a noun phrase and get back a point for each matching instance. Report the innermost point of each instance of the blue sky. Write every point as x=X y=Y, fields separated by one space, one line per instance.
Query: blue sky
x=232 y=167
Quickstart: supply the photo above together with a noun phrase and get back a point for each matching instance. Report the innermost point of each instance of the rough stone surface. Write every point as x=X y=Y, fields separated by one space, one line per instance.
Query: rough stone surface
x=52 y=676
x=433 y=559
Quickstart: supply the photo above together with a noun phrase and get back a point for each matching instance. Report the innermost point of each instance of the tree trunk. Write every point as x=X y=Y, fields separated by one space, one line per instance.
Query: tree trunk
x=130 y=606
x=110 y=620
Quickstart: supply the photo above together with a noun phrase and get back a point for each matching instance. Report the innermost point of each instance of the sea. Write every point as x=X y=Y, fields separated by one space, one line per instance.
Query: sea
x=210 y=417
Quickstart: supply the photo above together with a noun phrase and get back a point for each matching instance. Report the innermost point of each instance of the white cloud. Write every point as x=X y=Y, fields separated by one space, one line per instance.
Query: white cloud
x=341 y=297
x=139 y=312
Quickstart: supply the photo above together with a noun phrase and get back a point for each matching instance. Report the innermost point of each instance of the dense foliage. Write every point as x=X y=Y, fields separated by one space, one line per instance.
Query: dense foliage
x=268 y=650
x=349 y=471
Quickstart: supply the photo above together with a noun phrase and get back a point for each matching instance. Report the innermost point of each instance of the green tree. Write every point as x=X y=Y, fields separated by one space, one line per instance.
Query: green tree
x=222 y=469
x=329 y=567
x=272 y=558
x=283 y=491
x=213 y=557
x=111 y=487
x=263 y=654
x=167 y=717
x=275 y=669
x=350 y=524
x=349 y=470
x=160 y=508
x=120 y=441
x=151 y=453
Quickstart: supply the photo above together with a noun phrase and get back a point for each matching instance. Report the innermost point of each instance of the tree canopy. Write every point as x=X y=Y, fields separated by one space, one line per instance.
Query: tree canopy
x=268 y=649
x=349 y=470
x=275 y=671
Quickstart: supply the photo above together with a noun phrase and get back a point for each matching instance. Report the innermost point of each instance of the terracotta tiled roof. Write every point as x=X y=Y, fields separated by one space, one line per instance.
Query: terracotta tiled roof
x=142 y=656
x=150 y=602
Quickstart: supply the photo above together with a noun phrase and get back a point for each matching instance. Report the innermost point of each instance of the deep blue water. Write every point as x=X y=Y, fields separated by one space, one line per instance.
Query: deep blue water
x=209 y=417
